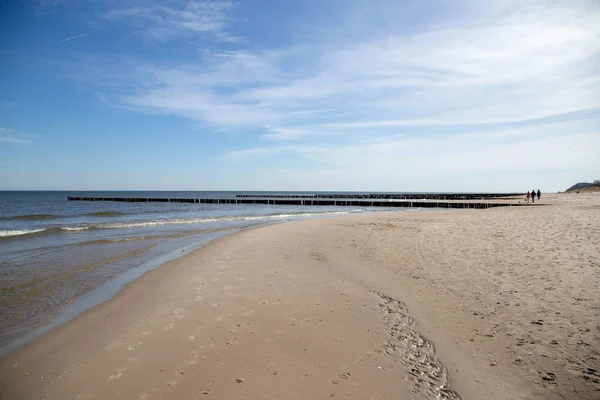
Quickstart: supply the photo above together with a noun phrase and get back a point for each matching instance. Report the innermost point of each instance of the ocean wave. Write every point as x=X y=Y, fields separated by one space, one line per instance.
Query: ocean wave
x=177 y=221
x=182 y=221
x=18 y=232
x=106 y=214
x=73 y=228
x=9 y=233
x=30 y=217
x=121 y=213
x=44 y=217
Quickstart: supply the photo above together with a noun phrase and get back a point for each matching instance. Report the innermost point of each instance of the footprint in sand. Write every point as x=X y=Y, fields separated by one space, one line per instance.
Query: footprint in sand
x=118 y=373
x=168 y=327
x=178 y=373
x=192 y=358
x=549 y=377
x=132 y=347
x=117 y=343
x=291 y=317
x=247 y=311
x=178 y=311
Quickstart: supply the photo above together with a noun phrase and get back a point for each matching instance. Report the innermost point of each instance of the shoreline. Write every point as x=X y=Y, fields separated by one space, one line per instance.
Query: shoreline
x=107 y=291
x=286 y=305
x=110 y=288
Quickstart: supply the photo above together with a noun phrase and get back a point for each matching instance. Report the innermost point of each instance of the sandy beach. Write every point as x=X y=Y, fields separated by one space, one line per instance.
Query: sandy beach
x=474 y=304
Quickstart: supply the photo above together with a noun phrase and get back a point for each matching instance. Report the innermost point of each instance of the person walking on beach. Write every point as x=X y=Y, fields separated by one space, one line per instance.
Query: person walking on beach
x=533 y=196
x=527 y=196
x=539 y=194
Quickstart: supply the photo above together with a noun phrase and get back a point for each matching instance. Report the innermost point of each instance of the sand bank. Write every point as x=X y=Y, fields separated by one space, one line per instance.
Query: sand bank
x=474 y=304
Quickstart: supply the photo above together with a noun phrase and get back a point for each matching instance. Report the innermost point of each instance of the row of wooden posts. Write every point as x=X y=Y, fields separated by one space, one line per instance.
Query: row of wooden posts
x=303 y=202
x=386 y=196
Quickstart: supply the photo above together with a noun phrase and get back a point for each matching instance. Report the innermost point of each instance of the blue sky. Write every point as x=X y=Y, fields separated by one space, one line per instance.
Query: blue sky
x=496 y=95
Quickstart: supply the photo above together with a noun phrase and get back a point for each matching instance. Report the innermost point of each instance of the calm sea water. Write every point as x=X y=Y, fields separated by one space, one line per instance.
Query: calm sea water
x=59 y=257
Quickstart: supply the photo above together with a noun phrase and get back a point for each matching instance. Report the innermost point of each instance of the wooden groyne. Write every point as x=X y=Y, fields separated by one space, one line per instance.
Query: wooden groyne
x=387 y=196
x=344 y=202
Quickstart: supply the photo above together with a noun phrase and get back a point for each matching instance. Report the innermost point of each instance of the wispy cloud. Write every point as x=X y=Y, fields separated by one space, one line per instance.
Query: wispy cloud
x=531 y=64
x=167 y=21
x=308 y=151
x=10 y=136
x=389 y=161
x=76 y=36
x=483 y=84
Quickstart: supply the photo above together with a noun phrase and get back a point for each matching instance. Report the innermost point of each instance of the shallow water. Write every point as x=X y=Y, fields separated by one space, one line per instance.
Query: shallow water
x=53 y=252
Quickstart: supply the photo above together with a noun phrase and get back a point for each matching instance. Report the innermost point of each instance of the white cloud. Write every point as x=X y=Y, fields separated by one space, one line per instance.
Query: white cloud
x=307 y=151
x=167 y=21
x=525 y=66
x=68 y=39
x=10 y=136
x=480 y=89
x=533 y=152
x=437 y=164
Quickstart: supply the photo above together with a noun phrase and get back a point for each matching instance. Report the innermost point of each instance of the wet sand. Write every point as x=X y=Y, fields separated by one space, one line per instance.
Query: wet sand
x=474 y=304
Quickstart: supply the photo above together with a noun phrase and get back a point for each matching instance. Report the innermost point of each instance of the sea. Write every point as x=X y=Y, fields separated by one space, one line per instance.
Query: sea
x=59 y=258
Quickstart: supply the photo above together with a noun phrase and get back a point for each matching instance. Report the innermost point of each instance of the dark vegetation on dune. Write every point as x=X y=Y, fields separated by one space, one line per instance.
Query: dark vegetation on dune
x=584 y=185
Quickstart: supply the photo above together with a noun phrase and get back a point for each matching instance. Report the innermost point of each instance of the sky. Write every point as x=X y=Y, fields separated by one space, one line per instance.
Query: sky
x=441 y=95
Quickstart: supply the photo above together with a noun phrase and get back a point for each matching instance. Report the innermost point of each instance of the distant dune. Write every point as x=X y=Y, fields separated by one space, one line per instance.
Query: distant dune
x=585 y=186
x=588 y=189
